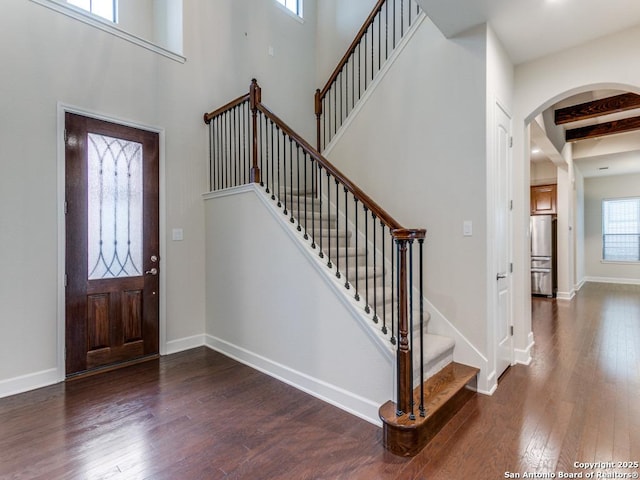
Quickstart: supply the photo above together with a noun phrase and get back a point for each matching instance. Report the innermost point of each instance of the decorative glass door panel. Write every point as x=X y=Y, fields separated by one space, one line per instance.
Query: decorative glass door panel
x=114 y=207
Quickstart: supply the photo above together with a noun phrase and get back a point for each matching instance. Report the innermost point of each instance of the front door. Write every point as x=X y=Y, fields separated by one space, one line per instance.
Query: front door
x=112 y=243
x=504 y=334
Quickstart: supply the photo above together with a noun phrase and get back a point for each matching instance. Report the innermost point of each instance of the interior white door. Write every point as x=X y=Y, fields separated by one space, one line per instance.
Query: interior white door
x=504 y=337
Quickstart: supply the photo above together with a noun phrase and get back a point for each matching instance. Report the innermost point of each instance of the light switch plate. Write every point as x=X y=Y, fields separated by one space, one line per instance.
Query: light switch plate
x=467 y=228
x=177 y=234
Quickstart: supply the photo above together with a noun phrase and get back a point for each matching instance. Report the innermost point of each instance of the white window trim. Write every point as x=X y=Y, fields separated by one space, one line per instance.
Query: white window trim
x=107 y=26
x=602 y=234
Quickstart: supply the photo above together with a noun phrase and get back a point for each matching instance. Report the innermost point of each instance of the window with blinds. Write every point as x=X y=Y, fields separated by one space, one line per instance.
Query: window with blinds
x=621 y=230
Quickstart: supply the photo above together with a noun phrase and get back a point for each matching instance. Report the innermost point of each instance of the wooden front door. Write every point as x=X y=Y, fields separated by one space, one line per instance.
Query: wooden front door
x=112 y=243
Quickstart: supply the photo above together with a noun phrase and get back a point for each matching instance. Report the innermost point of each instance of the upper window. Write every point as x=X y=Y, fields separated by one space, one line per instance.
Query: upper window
x=621 y=230
x=102 y=8
x=294 y=5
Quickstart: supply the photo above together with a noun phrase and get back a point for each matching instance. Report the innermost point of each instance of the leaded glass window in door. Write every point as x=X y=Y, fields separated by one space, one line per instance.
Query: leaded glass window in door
x=114 y=207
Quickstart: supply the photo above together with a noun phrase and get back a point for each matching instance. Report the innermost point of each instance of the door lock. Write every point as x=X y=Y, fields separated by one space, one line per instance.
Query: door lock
x=153 y=271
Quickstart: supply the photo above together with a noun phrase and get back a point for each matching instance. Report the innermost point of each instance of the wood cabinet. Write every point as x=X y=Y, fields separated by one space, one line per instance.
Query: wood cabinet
x=543 y=200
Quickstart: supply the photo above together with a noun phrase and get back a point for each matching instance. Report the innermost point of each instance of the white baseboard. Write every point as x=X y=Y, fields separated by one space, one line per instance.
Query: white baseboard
x=523 y=356
x=24 y=383
x=343 y=399
x=565 y=295
x=182 y=344
x=622 y=281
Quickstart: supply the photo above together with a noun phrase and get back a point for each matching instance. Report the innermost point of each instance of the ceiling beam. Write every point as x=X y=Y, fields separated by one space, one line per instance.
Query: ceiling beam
x=603 y=129
x=596 y=108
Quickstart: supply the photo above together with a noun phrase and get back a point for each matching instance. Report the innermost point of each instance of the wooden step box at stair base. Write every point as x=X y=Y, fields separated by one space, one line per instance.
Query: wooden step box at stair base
x=445 y=394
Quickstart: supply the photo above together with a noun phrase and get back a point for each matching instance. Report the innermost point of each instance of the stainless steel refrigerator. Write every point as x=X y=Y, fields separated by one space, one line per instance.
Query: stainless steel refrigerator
x=543 y=255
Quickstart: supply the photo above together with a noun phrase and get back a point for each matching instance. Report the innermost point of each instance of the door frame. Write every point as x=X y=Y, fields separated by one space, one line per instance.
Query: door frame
x=62 y=109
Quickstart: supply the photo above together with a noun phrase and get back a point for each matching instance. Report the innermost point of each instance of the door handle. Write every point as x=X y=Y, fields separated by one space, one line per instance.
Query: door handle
x=153 y=271
x=501 y=275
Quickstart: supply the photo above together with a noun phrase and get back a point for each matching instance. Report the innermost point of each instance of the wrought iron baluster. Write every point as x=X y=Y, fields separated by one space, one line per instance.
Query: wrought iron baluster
x=384 y=291
x=321 y=254
x=211 y=124
x=394 y=25
x=337 y=230
x=291 y=219
x=353 y=81
x=236 y=144
x=375 y=271
x=399 y=412
x=313 y=201
x=366 y=259
x=401 y=18
x=386 y=30
x=341 y=113
x=379 y=16
x=412 y=416
x=263 y=136
x=284 y=173
x=273 y=171
x=278 y=160
x=393 y=309
x=263 y=173
x=329 y=264
x=355 y=209
x=335 y=108
x=305 y=188
x=324 y=121
x=346 y=237
x=422 y=410
x=248 y=129
x=372 y=51
x=359 y=70
x=366 y=54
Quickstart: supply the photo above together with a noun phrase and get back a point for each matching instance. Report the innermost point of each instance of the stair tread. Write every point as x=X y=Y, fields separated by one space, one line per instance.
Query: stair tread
x=438 y=389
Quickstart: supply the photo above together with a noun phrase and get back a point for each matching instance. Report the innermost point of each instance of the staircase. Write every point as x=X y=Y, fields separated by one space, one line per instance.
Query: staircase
x=444 y=392
x=378 y=261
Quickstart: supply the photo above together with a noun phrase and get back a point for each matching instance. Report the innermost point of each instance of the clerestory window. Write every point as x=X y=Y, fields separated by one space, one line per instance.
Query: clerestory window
x=621 y=230
x=106 y=9
x=294 y=6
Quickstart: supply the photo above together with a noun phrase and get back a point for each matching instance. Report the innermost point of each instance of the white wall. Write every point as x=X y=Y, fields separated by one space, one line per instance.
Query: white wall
x=418 y=146
x=50 y=58
x=597 y=189
x=272 y=306
x=606 y=62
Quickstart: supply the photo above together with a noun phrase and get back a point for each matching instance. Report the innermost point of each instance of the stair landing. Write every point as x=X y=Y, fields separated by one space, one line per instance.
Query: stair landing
x=445 y=393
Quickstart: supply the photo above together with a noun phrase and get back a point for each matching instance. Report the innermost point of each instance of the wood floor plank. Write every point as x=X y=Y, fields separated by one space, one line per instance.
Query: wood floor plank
x=201 y=415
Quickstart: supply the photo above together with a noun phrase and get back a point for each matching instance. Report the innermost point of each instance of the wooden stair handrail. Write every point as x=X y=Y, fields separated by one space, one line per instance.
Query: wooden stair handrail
x=255 y=97
x=233 y=103
x=321 y=93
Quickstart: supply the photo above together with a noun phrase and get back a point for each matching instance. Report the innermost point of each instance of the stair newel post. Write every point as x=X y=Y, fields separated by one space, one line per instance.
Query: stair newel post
x=255 y=97
x=318 y=109
x=404 y=239
x=403 y=352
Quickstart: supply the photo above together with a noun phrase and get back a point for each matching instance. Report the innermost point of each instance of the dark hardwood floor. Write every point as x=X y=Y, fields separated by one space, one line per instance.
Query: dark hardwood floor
x=200 y=415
